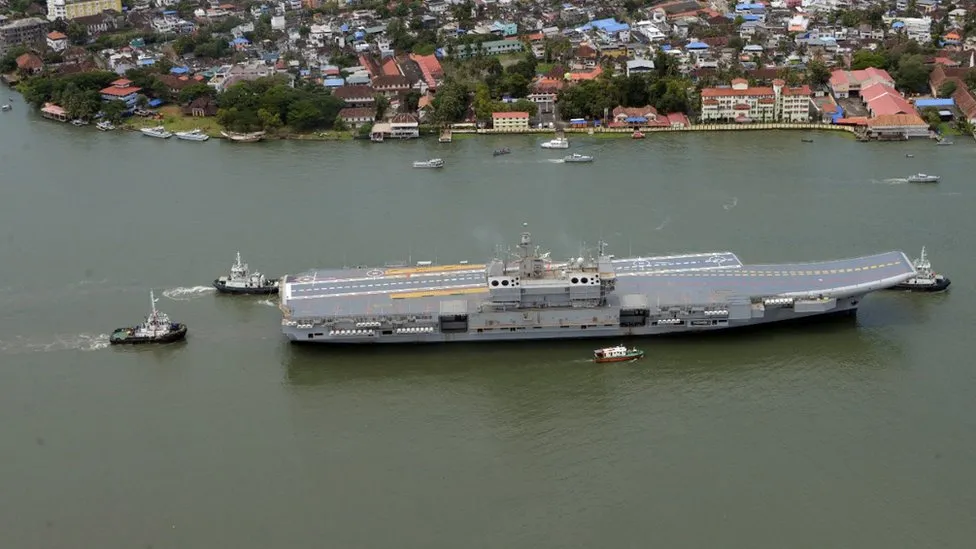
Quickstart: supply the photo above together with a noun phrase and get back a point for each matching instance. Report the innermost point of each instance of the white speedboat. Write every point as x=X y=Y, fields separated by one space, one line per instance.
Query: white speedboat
x=557 y=143
x=79 y=122
x=923 y=178
x=578 y=158
x=193 y=135
x=5 y=108
x=432 y=163
x=105 y=126
x=158 y=131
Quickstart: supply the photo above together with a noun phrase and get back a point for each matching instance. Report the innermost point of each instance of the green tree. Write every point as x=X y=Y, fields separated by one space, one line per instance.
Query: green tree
x=817 y=73
x=382 y=104
x=77 y=33
x=194 y=91
x=304 y=115
x=516 y=84
x=866 y=58
x=947 y=88
x=912 y=74
x=112 y=111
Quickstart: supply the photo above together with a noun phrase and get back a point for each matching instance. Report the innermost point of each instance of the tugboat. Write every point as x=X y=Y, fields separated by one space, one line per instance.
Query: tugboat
x=157 y=328
x=619 y=353
x=499 y=152
x=926 y=280
x=242 y=282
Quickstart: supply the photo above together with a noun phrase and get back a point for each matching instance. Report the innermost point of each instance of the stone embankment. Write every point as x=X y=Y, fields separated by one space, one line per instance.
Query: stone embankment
x=692 y=128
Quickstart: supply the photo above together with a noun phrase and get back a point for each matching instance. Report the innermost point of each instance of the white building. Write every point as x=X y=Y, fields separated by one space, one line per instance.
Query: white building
x=741 y=103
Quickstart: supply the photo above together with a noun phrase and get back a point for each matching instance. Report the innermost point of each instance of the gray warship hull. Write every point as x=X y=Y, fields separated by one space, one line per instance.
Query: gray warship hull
x=648 y=296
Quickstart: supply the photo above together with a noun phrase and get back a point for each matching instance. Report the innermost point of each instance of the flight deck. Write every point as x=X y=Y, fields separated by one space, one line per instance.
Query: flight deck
x=665 y=280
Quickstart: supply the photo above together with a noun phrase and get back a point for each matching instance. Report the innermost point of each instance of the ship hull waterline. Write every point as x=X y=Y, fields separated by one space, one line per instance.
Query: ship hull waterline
x=231 y=290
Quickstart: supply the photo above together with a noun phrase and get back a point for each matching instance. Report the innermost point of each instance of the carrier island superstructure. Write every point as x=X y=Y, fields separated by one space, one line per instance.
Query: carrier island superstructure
x=528 y=296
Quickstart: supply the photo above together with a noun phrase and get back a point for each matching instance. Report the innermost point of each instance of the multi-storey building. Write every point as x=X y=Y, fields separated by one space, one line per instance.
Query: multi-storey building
x=742 y=103
x=29 y=31
x=510 y=121
x=72 y=9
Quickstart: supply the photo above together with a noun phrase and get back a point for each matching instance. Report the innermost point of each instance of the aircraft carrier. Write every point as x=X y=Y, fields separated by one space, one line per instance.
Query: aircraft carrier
x=527 y=296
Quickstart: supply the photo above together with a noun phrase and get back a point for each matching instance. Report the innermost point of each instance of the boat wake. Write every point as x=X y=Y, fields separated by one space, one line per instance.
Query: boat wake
x=268 y=302
x=663 y=223
x=186 y=294
x=557 y=160
x=735 y=201
x=80 y=342
x=892 y=181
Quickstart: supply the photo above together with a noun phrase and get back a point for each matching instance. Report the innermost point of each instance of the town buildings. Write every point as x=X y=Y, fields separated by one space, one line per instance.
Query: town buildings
x=510 y=121
x=30 y=31
x=72 y=9
x=742 y=103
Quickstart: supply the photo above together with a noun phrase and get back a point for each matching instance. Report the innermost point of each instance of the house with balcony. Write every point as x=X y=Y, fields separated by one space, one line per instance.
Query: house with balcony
x=742 y=103
x=121 y=90
x=404 y=126
x=57 y=41
x=357 y=117
x=391 y=85
x=510 y=121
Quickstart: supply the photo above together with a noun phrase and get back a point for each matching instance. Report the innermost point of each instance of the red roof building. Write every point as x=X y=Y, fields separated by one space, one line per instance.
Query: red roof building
x=121 y=90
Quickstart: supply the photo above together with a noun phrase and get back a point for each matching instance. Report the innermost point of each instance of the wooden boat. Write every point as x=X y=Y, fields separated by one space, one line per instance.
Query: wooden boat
x=619 y=353
x=243 y=137
x=637 y=135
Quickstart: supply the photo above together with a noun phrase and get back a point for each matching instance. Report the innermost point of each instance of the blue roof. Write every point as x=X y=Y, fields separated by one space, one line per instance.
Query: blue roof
x=169 y=12
x=637 y=119
x=897 y=25
x=923 y=103
x=665 y=47
x=179 y=70
x=330 y=82
x=750 y=17
x=155 y=102
x=239 y=41
x=748 y=6
x=344 y=28
x=696 y=46
x=607 y=25
x=358 y=35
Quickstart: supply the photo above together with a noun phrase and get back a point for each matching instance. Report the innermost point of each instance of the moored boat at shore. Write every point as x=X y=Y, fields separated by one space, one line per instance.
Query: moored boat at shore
x=252 y=137
x=620 y=353
x=157 y=328
x=192 y=135
x=637 y=135
x=105 y=126
x=499 y=152
x=157 y=131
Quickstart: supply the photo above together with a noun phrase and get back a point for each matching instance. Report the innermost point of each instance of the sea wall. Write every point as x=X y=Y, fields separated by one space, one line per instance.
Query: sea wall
x=691 y=128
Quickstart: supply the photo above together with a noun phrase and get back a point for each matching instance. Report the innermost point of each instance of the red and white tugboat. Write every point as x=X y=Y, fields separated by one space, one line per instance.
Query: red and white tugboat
x=619 y=353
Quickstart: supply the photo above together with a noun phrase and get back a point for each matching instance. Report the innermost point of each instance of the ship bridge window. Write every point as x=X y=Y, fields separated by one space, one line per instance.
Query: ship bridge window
x=494 y=283
x=504 y=283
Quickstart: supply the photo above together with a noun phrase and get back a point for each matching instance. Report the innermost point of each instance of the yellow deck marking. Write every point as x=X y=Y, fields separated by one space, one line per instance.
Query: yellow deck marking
x=436 y=293
x=433 y=269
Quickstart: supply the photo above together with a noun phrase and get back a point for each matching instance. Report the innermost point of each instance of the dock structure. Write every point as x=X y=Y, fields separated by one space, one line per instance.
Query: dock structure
x=445 y=136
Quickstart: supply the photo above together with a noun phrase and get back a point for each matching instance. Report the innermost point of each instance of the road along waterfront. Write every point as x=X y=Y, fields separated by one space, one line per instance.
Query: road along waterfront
x=857 y=432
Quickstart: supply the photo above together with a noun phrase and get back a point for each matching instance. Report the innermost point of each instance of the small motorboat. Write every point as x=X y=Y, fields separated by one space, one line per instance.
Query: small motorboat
x=923 y=178
x=158 y=131
x=575 y=157
x=620 y=353
x=909 y=156
x=499 y=152
x=5 y=108
x=807 y=140
x=557 y=143
x=943 y=142
x=193 y=135
x=432 y=163
x=637 y=135
x=105 y=126
x=79 y=122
